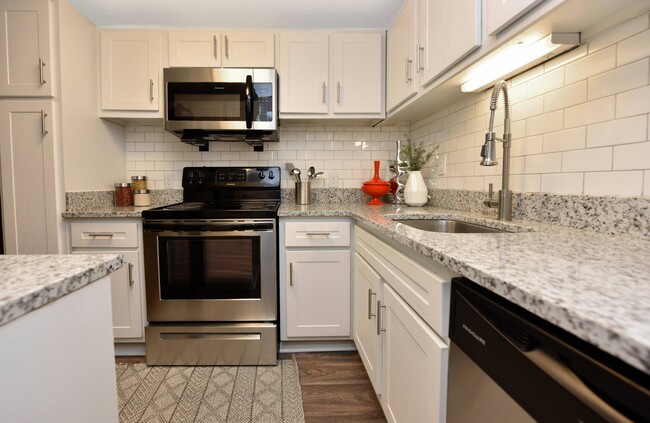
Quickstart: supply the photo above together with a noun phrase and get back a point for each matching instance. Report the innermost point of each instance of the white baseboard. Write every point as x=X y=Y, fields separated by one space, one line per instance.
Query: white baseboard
x=316 y=346
x=129 y=349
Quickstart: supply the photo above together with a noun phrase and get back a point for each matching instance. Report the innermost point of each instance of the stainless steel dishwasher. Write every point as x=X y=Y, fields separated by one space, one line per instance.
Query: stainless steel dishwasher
x=508 y=365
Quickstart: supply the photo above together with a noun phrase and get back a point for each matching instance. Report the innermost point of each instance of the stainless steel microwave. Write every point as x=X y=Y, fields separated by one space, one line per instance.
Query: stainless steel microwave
x=211 y=104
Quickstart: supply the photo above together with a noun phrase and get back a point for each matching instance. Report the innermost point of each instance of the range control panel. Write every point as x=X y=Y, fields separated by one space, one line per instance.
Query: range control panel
x=231 y=177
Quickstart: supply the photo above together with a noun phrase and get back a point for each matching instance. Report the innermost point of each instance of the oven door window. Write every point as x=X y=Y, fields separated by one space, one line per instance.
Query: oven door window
x=209 y=267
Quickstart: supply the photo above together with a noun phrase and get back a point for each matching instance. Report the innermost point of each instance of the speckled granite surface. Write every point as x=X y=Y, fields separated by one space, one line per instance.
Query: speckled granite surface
x=28 y=282
x=595 y=286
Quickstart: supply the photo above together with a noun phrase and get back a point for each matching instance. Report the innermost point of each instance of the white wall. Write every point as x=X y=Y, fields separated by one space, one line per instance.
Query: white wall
x=580 y=123
x=345 y=154
x=93 y=149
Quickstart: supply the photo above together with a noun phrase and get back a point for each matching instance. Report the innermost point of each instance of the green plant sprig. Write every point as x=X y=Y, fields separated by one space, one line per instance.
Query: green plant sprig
x=416 y=156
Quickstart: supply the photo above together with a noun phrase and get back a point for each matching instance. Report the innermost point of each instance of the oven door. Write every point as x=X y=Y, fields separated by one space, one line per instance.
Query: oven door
x=220 y=99
x=211 y=271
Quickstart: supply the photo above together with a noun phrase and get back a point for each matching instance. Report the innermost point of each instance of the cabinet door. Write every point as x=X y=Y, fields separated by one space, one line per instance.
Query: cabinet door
x=501 y=13
x=194 y=48
x=367 y=286
x=356 y=73
x=25 y=48
x=448 y=31
x=318 y=293
x=27 y=149
x=129 y=70
x=414 y=361
x=248 y=50
x=304 y=73
x=400 y=54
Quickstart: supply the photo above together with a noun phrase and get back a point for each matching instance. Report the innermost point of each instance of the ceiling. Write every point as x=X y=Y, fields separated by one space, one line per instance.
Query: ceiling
x=376 y=14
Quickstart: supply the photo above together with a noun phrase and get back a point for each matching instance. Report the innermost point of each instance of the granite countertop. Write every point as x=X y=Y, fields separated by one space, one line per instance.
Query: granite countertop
x=28 y=282
x=594 y=286
x=108 y=211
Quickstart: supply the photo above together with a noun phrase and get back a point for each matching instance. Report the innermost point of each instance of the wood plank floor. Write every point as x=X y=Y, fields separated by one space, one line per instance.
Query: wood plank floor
x=335 y=387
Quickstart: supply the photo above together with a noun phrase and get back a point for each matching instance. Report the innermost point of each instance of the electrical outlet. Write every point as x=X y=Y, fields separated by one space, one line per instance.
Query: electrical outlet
x=169 y=180
x=442 y=166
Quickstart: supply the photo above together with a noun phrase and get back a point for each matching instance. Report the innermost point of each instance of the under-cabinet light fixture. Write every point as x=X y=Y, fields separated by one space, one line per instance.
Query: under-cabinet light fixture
x=518 y=57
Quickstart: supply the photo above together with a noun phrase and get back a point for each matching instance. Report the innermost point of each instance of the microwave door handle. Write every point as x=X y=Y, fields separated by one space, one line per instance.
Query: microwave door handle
x=249 y=102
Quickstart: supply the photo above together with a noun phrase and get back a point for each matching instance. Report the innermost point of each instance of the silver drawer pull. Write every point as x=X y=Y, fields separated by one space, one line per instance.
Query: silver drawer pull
x=101 y=234
x=219 y=336
x=41 y=65
x=290 y=274
x=379 y=307
x=151 y=89
x=214 y=46
x=227 y=48
x=131 y=274
x=325 y=234
x=43 y=116
x=324 y=88
x=370 y=295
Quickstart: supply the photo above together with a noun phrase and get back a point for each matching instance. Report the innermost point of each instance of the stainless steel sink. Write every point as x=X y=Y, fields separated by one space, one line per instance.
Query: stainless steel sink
x=448 y=226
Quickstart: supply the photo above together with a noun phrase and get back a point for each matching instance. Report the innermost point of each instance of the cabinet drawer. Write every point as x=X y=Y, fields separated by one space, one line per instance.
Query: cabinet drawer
x=317 y=234
x=103 y=235
x=425 y=289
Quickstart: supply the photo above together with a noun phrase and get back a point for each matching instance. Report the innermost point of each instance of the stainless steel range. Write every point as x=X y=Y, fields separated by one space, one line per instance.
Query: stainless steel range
x=211 y=270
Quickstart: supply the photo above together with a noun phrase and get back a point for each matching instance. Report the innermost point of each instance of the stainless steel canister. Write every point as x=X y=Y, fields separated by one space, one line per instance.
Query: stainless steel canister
x=303 y=192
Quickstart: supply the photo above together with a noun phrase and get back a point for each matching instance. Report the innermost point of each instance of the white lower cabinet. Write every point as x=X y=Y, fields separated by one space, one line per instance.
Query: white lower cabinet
x=127 y=284
x=397 y=305
x=315 y=279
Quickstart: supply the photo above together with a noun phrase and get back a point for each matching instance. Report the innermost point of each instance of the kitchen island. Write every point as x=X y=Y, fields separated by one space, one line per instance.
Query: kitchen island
x=57 y=360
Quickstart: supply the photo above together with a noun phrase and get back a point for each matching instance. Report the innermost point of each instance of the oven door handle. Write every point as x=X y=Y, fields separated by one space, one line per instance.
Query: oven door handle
x=207 y=227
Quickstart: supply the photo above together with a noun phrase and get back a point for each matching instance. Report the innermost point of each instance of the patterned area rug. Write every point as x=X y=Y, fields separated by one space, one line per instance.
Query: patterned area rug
x=209 y=393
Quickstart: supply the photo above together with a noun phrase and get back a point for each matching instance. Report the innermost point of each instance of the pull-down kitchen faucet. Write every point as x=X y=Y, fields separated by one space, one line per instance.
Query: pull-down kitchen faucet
x=488 y=152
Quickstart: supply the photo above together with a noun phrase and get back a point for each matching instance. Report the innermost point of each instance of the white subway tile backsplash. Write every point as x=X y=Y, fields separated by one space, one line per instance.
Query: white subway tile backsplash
x=619 y=131
x=547 y=122
x=544 y=163
x=564 y=97
x=646 y=183
x=628 y=183
x=134 y=136
x=621 y=79
x=633 y=102
x=590 y=112
x=528 y=108
x=563 y=183
x=570 y=139
x=592 y=159
x=631 y=156
x=634 y=48
x=546 y=82
x=593 y=64
x=153 y=136
x=618 y=32
x=525 y=183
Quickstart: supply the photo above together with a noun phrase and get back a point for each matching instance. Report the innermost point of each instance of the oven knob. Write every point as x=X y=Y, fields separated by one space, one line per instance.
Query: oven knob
x=262 y=175
x=271 y=174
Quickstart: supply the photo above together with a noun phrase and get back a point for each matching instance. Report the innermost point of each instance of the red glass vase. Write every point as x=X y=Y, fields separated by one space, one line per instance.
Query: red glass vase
x=376 y=187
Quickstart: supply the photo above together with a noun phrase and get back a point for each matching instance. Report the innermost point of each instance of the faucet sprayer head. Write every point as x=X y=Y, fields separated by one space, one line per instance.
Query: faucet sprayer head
x=489 y=151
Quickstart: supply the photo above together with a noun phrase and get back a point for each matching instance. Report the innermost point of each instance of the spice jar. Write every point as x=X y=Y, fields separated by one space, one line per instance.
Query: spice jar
x=141 y=197
x=138 y=183
x=123 y=195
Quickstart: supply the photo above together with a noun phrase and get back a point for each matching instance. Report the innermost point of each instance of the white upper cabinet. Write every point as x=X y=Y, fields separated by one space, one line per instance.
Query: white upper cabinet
x=25 y=66
x=448 y=31
x=400 y=47
x=130 y=70
x=248 y=50
x=356 y=72
x=501 y=13
x=304 y=73
x=195 y=48
x=343 y=79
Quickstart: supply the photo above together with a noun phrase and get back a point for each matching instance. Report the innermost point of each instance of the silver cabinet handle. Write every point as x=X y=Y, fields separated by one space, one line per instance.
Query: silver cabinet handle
x=408 y=70
x=131 y=281
x=41 y=65
x=96 y=234
x=214 y=45
x=43 y=116
x=226 y=47
x=379 y=307
x=324 y=88
x=151 y=89
x=420 y=58
x=290 y=274
x=318 y=234
x=338 y=92
x=370 y=295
